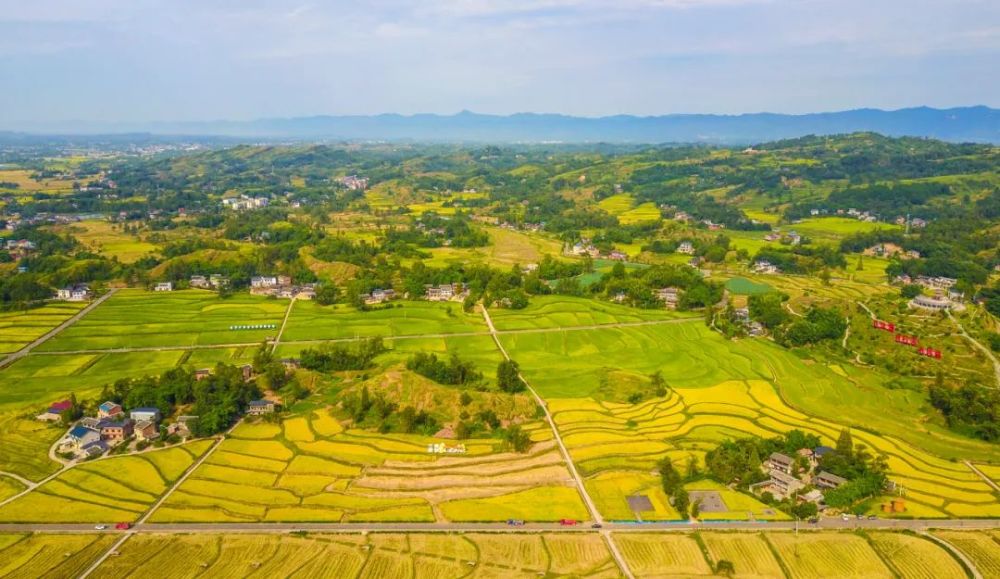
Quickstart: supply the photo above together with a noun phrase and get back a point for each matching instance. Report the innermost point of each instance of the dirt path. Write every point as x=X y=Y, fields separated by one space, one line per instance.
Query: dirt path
x=982 y=348
x=985 y=478
x=954 y=551
x=591 y=507
x=54 y=331
x=284 y=322
x=27 y=483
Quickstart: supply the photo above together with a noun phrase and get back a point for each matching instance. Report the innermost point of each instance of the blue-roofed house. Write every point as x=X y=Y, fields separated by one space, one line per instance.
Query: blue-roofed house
x=109 y=410
x=80 y=436
x=819 y=451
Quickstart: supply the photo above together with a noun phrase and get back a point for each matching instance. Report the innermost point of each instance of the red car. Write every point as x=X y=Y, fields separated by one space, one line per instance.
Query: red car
x=123 y=526
x=568 y=522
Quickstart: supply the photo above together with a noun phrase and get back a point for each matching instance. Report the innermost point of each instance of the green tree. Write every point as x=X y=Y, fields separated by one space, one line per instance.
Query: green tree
x=327 y=294
x=845 y=444
x=508 y=377
x=669 y=477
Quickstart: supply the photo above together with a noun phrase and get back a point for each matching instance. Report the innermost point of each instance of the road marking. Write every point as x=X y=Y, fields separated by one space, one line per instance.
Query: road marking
x=52 y=333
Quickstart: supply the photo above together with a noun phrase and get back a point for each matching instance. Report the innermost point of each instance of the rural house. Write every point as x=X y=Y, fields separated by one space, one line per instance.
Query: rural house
x=146 y=413
x=827 y=480
x=115 y=432
x=109 y=410
x=164 y=286
x=781 y=462
x=260 y=407
x=146 y=430
x=54 y=412
x=686 y=247
x=783 y=484
x=74 y=293
x=669 y=297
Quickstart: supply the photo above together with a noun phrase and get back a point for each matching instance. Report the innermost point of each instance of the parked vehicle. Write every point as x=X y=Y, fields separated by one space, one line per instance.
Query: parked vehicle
x=515 y=522
x=596 y=526
x=123 y=526
x=568 y=522
x=100 y=527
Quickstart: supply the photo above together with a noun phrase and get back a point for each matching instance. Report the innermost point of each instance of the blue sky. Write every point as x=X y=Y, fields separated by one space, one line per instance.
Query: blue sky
x=147 y=60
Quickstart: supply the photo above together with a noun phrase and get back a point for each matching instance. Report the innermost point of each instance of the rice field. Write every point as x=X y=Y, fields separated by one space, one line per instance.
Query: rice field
x=50 y=555
x=105 y=238
x=376 y=555
x=827 y=555
x=981 y=547
x=106 y=490
x=18 y=329
x=25 y=445
x=137 y=318
x=914 y=557
x=749 y=553
x=312 y=469
x=651 y=555
x=311 y=321
x=616 y=446
x=565 y=311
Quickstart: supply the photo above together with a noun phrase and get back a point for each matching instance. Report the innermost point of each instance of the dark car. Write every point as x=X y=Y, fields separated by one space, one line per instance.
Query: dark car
x=596 y=526
x=813 y=520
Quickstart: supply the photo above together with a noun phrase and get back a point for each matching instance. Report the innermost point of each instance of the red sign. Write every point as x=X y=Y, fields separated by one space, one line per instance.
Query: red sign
x=880 y=325
x=930 y=353
x=908 y=340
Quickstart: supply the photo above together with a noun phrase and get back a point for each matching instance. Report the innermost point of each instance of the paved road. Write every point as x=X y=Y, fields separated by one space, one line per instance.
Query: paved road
x=51 y=333
x=824 y=524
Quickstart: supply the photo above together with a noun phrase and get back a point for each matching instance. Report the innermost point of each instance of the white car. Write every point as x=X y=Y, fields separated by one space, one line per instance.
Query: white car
x=845 y=517
x=100 y=527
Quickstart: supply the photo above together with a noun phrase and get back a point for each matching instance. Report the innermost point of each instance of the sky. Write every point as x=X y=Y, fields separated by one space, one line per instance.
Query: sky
x=184 y=60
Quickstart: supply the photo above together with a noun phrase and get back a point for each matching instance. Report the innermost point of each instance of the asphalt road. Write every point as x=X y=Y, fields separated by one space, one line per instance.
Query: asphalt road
x=583 y=527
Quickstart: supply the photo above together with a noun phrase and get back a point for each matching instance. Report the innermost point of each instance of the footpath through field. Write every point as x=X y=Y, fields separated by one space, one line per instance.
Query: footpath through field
x=54 y=331
x=591 y=507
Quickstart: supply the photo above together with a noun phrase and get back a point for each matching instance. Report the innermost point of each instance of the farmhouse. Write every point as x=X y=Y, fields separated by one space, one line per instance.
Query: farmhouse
x=439 y=293
x=827 y=480
x=931 y=303
x=109 y=410
x=378 y=296
x=145 y=414
x=74 y=293
x=182 y=427
x=79 y=436
x=764 y=266
x=780 y=462
x=202 y=373
x=263 y=281
x=617 y=256
x=115 y=432
x=669 y=296
x=164 y=286
x=198 y=281
x=146 y=430
x=354 y=183
x=259 y=407
x=814 y=496
x=55 y=411
x=783 y=484
x=685 y=247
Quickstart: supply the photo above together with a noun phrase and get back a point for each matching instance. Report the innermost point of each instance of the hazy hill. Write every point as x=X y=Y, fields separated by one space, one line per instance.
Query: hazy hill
x=978 y=124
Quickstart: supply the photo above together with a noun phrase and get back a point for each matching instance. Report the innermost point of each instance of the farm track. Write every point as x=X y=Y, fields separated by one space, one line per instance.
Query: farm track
x=359 y=338
x=591 y=507
x=969 y=565
x=11 y=358
x=985 y=478
x=980 y=347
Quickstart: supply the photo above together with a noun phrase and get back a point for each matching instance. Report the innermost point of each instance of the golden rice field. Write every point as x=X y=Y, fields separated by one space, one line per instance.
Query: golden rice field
x=617 y=445
x=309 y=468
x=25 y=444
x=105 y=490
x=981 y=547
x=376 y=556
x=749 y=553
x=18 y=329
x=826 y=555
x=914 y=557
x=664 y=555
x=34 y=555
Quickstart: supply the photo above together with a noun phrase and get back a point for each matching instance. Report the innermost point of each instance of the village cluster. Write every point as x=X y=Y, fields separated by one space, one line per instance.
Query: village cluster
x=789 y=477
x=433 y=293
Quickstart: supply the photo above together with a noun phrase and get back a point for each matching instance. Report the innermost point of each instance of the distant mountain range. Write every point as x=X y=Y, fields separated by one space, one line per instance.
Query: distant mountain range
x=977 y=124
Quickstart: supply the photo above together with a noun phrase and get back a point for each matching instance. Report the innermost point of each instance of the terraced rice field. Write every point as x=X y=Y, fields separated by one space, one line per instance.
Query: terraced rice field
x=913 y=557
x=25 y=446
x=563 y=311
x=749 y=553
x=310 y=469
x=981 y=547
x=311 y=321
x=375 y=555
x=106 y=490
x=662 y=555
x=50 y=555
x=136 y=318
x=617 y=445
x=18 y=329
x=825 y=555
x=42 y=379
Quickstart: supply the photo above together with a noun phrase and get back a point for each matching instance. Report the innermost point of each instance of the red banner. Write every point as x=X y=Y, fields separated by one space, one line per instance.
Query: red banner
x=930 y=353
x=907 y=340
x=880 y=325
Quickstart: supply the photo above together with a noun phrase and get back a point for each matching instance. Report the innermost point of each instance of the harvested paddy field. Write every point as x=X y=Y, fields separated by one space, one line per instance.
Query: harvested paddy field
x=311 y=321
x=106 y=490
x=825 y=555
x=135 y=318
x=50 y=555
x=20 y=328
x=373 y=556
x=310 y=469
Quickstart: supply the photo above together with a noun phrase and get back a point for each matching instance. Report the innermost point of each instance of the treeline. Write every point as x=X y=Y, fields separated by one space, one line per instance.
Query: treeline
x=802 y=258
x=341 y=357
x=969 y=409
x=217 y=399
x=885 y=201
x=638 y=286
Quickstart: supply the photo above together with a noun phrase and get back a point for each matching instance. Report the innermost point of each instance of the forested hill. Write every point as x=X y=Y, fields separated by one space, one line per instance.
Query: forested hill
x=975 y=124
